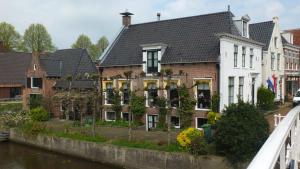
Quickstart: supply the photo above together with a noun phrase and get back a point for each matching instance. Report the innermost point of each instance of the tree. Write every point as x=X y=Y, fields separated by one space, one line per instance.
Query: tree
x=265 y=98
x=116 y=104
x=186 y=107
x=83 y=42
x=37 y=39
x=241 y=132
x=9 y=36
x=97 y=49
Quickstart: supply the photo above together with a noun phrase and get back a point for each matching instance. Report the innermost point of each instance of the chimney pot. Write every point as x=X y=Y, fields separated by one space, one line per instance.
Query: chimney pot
x=126 y=18
x=158 y=16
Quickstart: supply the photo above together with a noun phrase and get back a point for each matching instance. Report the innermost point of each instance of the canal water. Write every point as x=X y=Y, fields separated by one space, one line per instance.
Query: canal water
x=16 y=156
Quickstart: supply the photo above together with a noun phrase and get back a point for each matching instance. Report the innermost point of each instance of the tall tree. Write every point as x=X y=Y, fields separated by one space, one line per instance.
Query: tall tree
x=9 y=36
x=37 y=39
x=83 y=42
x=102 y=44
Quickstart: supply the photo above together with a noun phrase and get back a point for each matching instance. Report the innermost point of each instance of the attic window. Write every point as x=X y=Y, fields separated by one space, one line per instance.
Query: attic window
x=152 y=61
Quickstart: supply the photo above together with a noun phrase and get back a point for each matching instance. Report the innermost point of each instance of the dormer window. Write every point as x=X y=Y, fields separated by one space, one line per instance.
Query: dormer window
x=245 y=29
x=152 y=61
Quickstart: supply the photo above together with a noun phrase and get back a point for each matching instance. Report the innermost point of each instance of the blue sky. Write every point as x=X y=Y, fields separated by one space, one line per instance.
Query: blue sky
x=66 y=19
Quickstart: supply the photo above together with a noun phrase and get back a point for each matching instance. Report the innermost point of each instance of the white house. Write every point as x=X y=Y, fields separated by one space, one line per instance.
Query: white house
x=273 y=56
x=240 y=66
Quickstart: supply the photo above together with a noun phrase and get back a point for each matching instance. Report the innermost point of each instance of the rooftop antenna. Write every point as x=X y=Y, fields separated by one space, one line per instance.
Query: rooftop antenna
x=228 y=8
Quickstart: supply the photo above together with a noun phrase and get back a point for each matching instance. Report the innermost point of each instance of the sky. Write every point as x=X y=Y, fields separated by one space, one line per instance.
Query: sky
x=65 y=20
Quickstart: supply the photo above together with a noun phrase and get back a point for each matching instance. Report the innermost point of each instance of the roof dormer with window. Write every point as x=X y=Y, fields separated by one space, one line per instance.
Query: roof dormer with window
x=243 y=25
x=152 y=54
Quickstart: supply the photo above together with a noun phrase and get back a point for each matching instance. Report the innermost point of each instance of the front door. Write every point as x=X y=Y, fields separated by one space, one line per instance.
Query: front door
x=152 y=121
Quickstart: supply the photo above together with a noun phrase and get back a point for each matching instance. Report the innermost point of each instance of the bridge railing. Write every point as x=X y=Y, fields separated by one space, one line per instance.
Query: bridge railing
x=281 y=149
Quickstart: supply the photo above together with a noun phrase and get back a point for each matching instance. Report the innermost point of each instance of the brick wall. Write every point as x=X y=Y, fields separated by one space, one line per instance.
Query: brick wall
x=199 y=70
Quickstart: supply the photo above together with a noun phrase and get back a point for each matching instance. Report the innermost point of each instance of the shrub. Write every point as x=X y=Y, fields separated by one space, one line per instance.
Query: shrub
x=39 y=114
x=241 y=132
x=213 y=117
x=265 y=98
x=10 y=107
x=193 y=140
x=13 y=119
x=215 y=102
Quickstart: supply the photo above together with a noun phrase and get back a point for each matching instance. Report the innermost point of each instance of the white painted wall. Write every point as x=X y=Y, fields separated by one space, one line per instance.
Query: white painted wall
x=266 y=64
x=227 y=69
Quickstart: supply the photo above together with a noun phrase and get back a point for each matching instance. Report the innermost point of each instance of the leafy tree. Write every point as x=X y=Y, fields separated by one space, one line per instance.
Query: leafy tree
x=186 y=107
x=265 y=98
x=83 y=42
x=97 y=49
x=9 y=36
x=137 y=106
x=215 y=102
x=37 y=39
x=161 y=103
x=116 y=104
x=241 y=132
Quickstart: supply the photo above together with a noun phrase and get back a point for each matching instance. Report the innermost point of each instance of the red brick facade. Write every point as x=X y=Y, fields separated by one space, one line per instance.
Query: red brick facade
x=192 y=73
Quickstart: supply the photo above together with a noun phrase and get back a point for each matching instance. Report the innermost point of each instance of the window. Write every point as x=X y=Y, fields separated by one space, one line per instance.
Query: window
x=275 y=42
x=175 y=122
x=245 y=29
x=235 y=55
x=125 y=116
x=200 y=121
x=278 y=61
x=125 y=91
x=110 y=116
x=152 y=94
x=109 y=93
x=152 y=121
x=203 y=95
x=231 y=90
x=174 y=98
x=243 y=56
x=272 y=61
x=241 y=87
x=291 y=64
x=152 y=61
x=15 y=92
x=251 y=58
x=35 y=82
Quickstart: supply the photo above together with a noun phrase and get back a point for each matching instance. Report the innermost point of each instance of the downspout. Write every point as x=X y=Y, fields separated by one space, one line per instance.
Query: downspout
x=218 y=82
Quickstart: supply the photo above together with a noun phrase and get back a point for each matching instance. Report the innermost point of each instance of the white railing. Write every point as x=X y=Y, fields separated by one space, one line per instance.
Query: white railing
x=281 y=150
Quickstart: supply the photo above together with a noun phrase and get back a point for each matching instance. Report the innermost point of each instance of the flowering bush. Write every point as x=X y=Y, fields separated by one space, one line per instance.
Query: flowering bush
x=13 y=119
x=186 y=137
x=213 y=117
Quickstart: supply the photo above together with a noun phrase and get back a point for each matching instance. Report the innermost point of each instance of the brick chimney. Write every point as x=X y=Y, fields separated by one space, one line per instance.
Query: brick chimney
x=126 y=18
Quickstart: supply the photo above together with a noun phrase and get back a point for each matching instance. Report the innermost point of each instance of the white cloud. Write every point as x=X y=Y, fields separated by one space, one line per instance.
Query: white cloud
x=66 y=19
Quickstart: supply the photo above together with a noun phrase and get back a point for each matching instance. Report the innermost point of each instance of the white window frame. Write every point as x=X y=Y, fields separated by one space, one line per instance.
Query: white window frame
x=195 y=92
x=244 y=52
x=251 y=58
x=33 y=87
x=196 y=122
x=233 y=90
x=108 y=119
x=176 y=127
x=146 y=92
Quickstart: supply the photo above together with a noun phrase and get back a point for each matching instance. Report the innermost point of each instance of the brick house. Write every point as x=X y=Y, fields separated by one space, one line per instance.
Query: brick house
x=13 y=66
x=209 y=53
x=291 y=54
x=43 y=75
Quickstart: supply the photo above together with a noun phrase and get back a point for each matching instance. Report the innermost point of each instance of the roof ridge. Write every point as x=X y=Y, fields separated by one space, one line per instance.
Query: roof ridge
x=216 y=13
x=260 y=22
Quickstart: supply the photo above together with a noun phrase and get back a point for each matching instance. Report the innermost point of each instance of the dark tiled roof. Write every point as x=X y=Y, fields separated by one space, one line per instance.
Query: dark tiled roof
x=190 y=39
x=69 y=62
x=13 y=67
x=262 y=32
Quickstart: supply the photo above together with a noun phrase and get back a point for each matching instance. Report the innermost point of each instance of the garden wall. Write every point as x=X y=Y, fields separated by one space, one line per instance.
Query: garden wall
x=131 y=158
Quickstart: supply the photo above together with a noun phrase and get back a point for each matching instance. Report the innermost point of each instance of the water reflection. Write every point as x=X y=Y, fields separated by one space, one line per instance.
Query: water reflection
x=16 y=156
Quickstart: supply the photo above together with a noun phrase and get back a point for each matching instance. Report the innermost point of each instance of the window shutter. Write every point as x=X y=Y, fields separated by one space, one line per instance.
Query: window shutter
x=28 y=82
x=40 y=83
